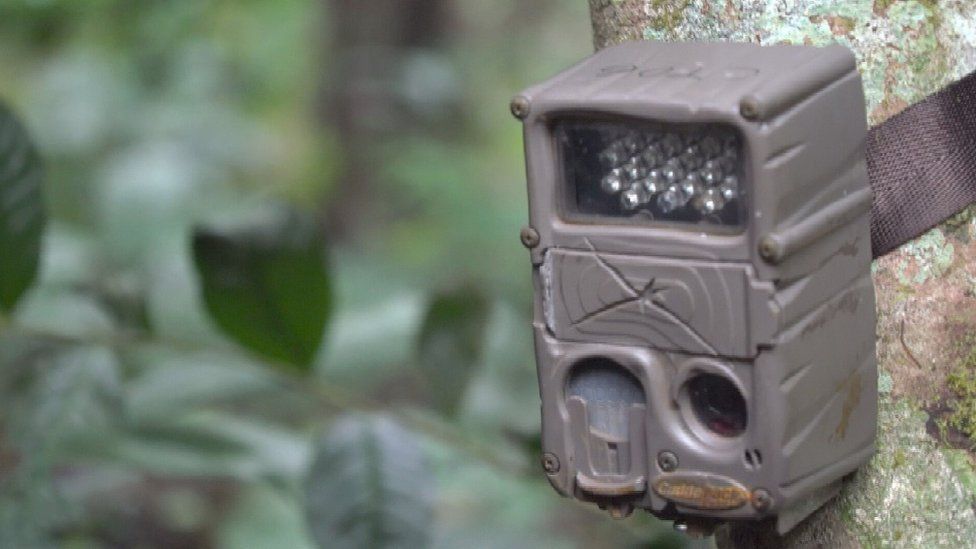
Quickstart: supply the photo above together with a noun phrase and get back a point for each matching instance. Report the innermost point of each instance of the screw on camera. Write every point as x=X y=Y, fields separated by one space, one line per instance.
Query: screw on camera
x=550 y=463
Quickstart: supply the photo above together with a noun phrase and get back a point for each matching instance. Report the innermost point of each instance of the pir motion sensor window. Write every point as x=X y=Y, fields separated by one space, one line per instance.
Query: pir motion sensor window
x=686 y=174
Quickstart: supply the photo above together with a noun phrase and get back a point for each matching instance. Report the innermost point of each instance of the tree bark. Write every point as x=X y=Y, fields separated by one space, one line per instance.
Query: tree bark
x=920 y=488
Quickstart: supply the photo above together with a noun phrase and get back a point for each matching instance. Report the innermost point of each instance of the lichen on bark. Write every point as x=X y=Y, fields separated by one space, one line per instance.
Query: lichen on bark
x=905 y=49
x=962 y=383
x=920 y=489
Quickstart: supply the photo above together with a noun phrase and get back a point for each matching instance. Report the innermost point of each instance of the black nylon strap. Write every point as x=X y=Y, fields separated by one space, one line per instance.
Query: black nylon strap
x=922 y=165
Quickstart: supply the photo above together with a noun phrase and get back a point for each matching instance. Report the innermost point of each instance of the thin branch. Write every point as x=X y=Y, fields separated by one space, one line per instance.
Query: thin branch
x=901 y=337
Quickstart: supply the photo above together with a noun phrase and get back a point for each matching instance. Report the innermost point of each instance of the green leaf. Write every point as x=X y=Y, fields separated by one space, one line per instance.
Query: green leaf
x=369 y=486
x=171 y=382
x=67 y=392
x=264 y=517
x=54 y=397
x=355 y=357
x=22 y=214
x=267 y=286
x=504 y=393
x=65 y=312
x=203 y=444
x=451 y=342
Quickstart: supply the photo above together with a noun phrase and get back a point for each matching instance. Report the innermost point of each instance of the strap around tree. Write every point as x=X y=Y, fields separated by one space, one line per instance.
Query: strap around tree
x=922 y=165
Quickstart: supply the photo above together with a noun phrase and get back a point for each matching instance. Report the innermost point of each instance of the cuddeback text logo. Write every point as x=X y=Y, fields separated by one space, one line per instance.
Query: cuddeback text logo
x=693 y=71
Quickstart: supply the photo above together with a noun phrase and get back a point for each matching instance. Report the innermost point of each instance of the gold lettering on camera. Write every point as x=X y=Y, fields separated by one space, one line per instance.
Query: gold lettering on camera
x=702 y=492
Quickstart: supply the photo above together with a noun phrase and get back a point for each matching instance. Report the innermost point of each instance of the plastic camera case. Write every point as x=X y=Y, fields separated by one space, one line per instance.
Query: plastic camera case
x=714 y=359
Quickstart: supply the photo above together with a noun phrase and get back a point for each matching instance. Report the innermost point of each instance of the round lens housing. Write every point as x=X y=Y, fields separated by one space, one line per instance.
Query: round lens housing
x=717 y=404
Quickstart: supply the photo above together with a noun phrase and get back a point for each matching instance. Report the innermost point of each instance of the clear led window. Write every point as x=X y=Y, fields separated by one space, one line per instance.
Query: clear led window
x=653 y=172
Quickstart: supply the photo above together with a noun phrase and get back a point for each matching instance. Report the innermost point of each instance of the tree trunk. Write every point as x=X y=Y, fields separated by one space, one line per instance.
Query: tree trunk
x=920 y=488
x=361 y=100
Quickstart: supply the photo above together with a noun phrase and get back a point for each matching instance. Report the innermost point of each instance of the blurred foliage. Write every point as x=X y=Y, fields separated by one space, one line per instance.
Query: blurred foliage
x=192 y=365
x=21 y=210
x=266 y=285
x=451 y=340
x=379 y=470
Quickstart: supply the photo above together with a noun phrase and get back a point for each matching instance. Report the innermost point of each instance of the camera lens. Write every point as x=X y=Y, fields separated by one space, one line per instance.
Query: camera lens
x=717 y=404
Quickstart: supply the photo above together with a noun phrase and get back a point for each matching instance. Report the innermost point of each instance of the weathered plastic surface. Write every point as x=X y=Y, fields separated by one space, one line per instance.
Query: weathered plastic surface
x=794 y=331
x=706 y=308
